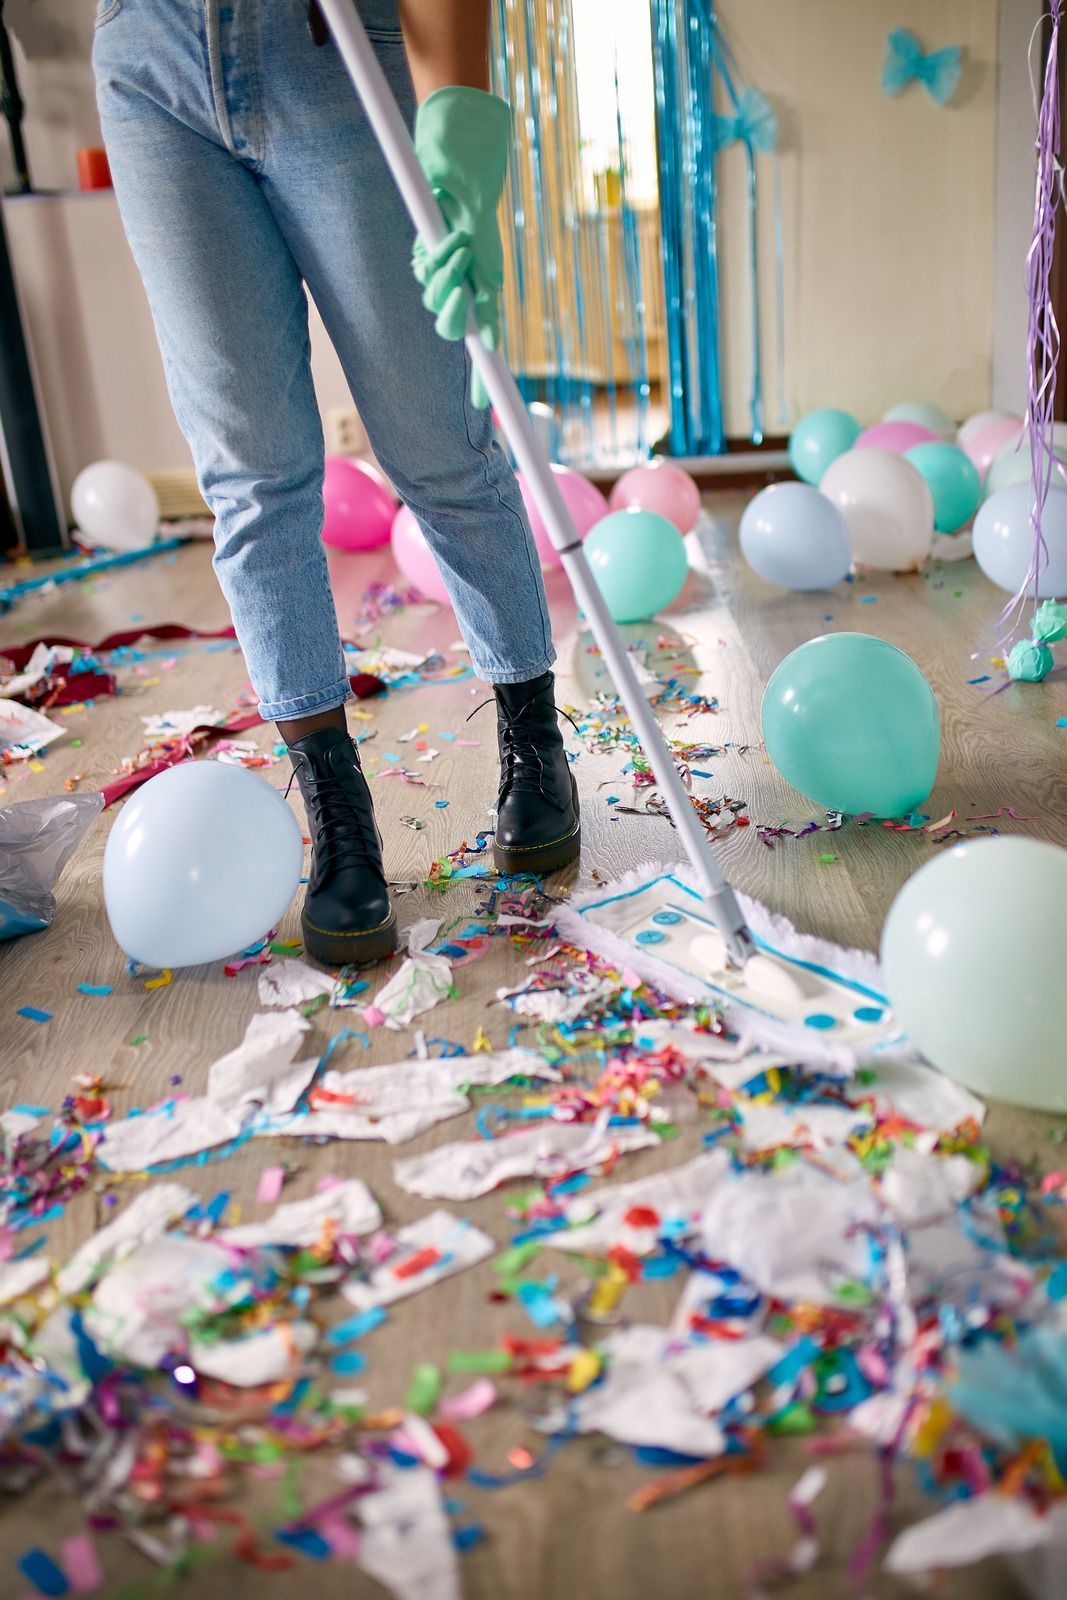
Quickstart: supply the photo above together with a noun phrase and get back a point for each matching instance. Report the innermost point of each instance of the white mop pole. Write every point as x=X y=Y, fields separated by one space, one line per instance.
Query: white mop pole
x=384 y=116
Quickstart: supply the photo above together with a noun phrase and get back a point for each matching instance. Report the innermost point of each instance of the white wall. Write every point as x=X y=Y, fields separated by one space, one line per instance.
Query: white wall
x=888 y=209
x=98 y=366
x=52 y=40
x=1014 y=201
x=91 y=333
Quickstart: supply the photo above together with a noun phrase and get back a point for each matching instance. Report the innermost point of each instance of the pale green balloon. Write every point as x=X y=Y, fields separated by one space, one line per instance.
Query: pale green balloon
x=972 y=955
x=818 y=439
x=639 y=562
x=851 y=722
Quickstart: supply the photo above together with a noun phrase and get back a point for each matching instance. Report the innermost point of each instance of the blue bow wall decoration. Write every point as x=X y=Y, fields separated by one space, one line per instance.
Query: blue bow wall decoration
x=905 y=62
x=752 y=122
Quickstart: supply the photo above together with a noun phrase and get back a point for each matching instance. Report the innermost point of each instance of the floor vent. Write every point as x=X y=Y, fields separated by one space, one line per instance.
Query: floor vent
x=178 y=494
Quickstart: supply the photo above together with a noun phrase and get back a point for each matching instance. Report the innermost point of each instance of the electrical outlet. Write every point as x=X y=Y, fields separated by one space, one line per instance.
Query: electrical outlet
x=345 y=433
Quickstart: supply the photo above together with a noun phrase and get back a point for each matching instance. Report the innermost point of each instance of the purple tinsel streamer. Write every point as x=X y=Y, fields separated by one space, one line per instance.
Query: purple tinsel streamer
x=1043 y=334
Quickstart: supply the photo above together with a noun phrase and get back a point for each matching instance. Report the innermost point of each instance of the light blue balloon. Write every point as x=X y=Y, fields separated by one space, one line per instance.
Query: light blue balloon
x=852 y=723
x=953 y=481
x=972 y=953
x=639 y=562
x=1004 y=540
x=201 y=863
x=820 y=438
x=927 y=414
x=793 y=535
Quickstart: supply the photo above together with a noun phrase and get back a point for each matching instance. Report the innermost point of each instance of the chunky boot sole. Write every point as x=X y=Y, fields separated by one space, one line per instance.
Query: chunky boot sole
x=541 y=858
x=355 y=949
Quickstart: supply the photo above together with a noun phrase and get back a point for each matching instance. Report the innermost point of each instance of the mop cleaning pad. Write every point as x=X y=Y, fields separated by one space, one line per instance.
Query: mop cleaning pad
x=799 y=993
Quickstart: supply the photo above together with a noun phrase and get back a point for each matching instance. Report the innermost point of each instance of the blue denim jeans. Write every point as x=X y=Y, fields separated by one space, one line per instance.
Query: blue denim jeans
x=245 y=169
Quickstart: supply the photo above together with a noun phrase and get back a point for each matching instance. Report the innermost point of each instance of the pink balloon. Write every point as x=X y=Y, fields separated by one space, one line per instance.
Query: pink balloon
x=659 y=486
x=583 y=500
x=985 y=443
x=895 y=436
x=358 y=504
x=415 y=559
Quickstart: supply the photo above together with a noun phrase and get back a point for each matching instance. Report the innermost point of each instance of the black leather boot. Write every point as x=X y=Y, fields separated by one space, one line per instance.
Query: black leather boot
x=347 y=918
x=537 y=826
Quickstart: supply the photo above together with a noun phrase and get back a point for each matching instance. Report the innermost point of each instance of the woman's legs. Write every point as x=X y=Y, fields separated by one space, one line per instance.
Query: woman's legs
x=345 y=223
x=347 y=228
x=242 y=162
x=231 y=317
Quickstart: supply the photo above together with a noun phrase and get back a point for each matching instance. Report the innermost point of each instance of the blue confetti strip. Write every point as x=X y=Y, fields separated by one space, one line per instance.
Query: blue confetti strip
x=348 y=1363
x=356 y=1327
x=307 y=1540
x=38 y=1568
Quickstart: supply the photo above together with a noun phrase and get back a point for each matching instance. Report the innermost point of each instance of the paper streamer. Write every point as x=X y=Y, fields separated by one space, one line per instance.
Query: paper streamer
x=682 y=57
x=751 y=122
x=574 y=282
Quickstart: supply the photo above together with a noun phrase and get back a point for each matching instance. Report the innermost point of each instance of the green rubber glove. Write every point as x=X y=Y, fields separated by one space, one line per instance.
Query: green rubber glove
x=462 y=140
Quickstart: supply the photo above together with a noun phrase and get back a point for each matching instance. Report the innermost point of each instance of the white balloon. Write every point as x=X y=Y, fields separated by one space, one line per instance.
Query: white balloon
x=115 y=506
x=201 y=863
x=887 y=507
x=793 y=535
x=1004 y=540
x=983 y=436
x=972 y=954
x=927 y=413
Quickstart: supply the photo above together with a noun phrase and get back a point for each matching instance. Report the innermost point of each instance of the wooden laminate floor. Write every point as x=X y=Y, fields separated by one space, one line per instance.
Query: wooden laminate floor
x=568 y=1534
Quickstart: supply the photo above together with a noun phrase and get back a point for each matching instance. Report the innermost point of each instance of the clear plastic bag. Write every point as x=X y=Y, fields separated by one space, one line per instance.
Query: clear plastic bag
x=37 y=839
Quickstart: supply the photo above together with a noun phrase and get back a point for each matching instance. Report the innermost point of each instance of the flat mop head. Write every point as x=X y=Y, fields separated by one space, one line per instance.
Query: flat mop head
x=796 y=993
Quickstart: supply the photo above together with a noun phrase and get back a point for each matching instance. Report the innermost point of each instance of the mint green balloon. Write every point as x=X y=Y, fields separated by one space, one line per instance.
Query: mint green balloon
x=1011 y=465
x=972 y=955
x=953 y=481
x=639 y=562
x=852 y=723
x=820 y=438
x=927 y=414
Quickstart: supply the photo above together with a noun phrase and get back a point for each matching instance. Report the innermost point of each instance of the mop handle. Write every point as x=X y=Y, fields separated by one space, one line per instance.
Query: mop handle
x=384 y=116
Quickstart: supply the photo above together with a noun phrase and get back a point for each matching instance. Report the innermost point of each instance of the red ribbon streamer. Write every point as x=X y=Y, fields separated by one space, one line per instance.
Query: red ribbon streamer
x=364 y=685
x=75 y=687
x=246 y=1545
x=20 y=654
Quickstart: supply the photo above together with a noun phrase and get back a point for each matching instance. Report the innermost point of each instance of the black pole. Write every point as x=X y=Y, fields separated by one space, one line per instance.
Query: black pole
x=25 y=448
x=11 y=106
x=20 y=422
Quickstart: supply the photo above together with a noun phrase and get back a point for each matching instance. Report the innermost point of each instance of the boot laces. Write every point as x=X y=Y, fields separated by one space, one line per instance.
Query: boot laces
x=344 y=832
x=521 y=763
